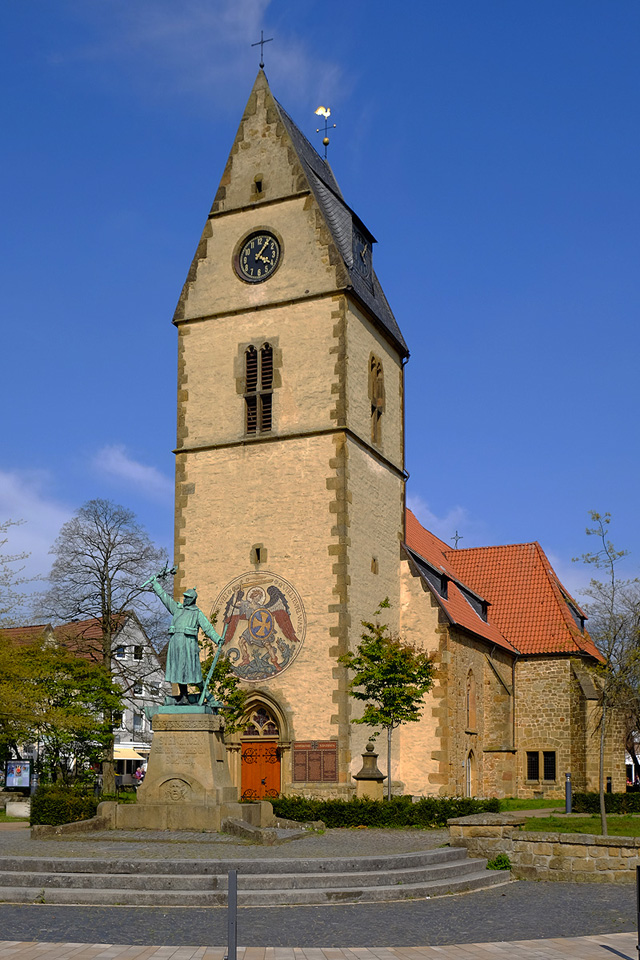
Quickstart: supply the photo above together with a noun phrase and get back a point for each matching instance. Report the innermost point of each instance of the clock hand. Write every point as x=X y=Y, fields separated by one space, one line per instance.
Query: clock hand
x=259 y=255
x=363 y=252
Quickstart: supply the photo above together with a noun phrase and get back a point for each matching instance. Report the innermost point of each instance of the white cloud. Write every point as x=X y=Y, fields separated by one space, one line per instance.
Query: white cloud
x=456 y=519
x=113 y=461
x=23 y=496
x=195 y=46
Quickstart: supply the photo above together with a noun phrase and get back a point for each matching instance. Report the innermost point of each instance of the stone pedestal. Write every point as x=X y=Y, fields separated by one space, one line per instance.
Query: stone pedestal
x=369 y=779
x=187 y=785
x=188 y=761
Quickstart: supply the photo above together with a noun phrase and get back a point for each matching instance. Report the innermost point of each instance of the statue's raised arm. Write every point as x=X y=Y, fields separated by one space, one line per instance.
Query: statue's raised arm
x=183 y=653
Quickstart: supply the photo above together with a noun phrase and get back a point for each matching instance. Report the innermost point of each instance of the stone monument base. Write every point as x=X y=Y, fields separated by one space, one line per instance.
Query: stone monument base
x=187 y=785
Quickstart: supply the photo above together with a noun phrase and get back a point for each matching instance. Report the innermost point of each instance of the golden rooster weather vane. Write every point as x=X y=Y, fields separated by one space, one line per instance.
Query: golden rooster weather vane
x=326 y=113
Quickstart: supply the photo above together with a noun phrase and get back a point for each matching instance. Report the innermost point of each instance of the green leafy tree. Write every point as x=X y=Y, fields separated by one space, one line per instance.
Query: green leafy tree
x=102 y=558
x=614 y=624
x=391 y=679
x=56 y=699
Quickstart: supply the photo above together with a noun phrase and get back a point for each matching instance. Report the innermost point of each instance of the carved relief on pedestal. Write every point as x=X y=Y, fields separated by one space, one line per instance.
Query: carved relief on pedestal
x=175 y=791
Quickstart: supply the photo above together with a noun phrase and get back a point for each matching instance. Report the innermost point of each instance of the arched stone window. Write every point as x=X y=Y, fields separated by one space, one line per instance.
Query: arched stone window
x=258 y=389
x=261 y=723
x=471 y=778
x=471 y=701
x=376 y=396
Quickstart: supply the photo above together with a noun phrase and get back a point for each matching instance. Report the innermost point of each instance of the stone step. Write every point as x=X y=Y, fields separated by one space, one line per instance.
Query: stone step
x=257 y=866
x=246 y=882
x=363 y=894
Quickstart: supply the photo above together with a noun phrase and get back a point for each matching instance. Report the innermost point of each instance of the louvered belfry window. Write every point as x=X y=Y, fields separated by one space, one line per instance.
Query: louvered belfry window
x=376 y=396
x=258 y=390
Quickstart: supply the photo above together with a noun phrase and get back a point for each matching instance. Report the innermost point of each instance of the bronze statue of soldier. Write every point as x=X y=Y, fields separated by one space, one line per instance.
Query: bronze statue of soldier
x=183 y=653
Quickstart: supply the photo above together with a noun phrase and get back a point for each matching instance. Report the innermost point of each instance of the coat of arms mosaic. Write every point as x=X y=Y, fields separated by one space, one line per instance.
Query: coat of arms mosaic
x=263 y=624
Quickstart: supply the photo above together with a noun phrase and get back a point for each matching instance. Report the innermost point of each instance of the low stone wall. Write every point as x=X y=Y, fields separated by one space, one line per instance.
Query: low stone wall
x=547 y=856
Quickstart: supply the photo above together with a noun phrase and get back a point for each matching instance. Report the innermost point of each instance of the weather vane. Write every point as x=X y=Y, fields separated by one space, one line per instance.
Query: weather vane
x=260 y=43
x=456 y=537
x=326 y=113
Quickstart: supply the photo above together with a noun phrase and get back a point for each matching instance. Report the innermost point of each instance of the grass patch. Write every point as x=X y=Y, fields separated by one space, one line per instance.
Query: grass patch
x=501 y=862
x=520 y=803
x=617 y=825
x=5 y=819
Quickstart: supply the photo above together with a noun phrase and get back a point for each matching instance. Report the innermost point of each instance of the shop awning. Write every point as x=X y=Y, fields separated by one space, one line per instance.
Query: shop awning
x=126 y=753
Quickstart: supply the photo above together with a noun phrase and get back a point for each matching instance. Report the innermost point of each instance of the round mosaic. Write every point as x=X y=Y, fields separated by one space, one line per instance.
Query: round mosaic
x=262 y=620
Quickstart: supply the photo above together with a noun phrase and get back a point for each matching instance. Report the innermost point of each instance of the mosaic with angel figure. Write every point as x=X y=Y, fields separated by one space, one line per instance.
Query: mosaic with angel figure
x=263 y=625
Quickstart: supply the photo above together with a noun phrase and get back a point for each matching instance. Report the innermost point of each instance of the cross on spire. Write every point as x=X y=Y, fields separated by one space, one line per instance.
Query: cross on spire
x=260 y=43
x=455 y=538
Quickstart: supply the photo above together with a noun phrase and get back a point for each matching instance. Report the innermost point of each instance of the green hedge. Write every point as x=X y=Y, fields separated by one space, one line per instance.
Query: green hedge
x=397 y=812
x=57 y=804
x=614 y=802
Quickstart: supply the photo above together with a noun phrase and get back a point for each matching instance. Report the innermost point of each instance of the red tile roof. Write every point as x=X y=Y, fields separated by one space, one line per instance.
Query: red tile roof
x=456 y=607
x=529 y=605
x=26 y=634
x=82 y=637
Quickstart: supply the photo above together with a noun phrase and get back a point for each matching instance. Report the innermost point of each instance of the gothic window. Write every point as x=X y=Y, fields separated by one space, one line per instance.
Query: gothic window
x=376 y=396
x=261 y=723
x=471 y=784
x=258 y=389
x=315 y=761
x=471 y=701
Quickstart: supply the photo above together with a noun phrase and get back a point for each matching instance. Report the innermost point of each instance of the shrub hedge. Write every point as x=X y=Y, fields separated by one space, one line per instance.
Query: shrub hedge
x=397 y=812
x=54 y=805
x=613 y=802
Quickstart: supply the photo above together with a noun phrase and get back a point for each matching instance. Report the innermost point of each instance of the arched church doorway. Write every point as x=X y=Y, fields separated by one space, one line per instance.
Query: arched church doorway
x=260 y=755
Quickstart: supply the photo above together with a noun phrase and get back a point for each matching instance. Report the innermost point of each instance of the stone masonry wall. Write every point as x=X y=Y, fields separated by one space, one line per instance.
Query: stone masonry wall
x=573 y=857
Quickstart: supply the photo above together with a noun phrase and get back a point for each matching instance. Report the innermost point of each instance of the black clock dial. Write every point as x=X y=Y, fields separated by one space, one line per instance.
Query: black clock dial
x=361 y=255
x=258 y=258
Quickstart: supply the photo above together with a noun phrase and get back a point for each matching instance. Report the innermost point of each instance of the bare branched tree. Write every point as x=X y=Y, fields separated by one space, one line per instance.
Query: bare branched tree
x=102 y=558
x=614 y=624
x=11 y=579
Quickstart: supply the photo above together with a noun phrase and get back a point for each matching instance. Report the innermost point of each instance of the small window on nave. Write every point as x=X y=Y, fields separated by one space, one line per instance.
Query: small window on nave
x=471 y=701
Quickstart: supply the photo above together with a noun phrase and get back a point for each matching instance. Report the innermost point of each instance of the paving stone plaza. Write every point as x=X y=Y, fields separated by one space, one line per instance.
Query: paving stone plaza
x=521 y=919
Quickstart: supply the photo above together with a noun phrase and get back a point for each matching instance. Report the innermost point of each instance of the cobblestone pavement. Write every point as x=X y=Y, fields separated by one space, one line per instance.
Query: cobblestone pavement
x=167 y=845
x=518 y=911
x=583 y=948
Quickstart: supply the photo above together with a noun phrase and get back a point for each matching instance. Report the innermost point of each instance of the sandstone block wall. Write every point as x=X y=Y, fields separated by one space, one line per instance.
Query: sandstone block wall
x=548 y=856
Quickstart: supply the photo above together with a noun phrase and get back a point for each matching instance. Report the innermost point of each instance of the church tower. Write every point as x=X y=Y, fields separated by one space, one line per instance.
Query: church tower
x=289 y=461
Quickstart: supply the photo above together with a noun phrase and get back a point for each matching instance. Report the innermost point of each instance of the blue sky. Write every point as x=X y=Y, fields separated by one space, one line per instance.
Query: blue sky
x=491 y=147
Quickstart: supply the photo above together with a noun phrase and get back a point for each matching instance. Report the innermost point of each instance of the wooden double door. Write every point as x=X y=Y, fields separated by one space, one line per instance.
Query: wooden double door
x=260 y=769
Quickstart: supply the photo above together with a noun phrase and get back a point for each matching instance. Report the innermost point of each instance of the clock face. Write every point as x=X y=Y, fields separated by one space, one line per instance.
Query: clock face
x=258 y=258
x=361 y=254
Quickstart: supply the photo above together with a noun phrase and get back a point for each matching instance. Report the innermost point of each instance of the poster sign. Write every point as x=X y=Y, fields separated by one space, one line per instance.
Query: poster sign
x=18 y=773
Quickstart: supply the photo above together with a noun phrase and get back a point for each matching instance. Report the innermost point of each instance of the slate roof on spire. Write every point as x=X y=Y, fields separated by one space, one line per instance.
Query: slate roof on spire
x=340 y=219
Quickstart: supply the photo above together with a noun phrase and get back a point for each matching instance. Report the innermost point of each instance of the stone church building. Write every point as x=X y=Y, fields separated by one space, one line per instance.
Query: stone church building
x=290 y=512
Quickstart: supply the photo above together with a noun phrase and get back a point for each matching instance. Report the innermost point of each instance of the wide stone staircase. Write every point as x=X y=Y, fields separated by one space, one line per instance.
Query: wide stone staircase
x=261 y=882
